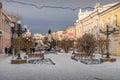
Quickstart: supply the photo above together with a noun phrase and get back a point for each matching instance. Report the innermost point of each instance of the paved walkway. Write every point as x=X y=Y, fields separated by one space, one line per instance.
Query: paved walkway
x=65 y=69
x=3 y=56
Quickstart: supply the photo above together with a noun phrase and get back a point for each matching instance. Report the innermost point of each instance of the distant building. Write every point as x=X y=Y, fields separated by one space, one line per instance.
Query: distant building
x=58 y=35
x=70 y=32
x=5 y=29
x=27 y=34
x=38 y=38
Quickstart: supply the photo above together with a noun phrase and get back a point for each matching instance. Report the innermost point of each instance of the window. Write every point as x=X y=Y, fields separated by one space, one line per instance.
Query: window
x=96 y=22
x=108 y=22
x=115 y=46
x=102 y=24
x=115 y=20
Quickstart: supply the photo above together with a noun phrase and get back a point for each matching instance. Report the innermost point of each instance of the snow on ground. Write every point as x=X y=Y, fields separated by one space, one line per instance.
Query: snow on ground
x=2 y=57
x=65 y=69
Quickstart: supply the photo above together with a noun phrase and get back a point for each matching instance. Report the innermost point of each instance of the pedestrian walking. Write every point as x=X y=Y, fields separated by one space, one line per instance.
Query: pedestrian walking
x=6 y=50
x=15 y=52
x=9 y=51
x=33 y=50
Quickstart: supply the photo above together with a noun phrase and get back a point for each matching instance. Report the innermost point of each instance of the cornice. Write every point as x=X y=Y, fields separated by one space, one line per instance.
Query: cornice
x=110 y=9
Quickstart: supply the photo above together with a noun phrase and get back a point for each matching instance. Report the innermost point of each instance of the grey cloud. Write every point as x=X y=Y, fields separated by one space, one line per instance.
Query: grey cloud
x=47 y=6
x=41 y=15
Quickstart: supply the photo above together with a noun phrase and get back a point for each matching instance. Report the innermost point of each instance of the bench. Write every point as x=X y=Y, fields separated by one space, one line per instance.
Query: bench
x=36 y=55
x=85 y=58
x=107 y=59
x=18 y=61
x=80 y=55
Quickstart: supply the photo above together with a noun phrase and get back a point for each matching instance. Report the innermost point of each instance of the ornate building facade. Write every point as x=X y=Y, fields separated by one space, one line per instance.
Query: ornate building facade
x=111 y=17
x=89 y=21
x=93 y=20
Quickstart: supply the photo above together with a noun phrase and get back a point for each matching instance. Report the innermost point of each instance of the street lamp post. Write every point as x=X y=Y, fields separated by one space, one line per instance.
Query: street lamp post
x=56 y=45
x=73 y=46
x=56 y=42
x=66 y=45
x=107 y=33
x=12 y=30
x=19 y=32
x=28 y=45
x=28 y=39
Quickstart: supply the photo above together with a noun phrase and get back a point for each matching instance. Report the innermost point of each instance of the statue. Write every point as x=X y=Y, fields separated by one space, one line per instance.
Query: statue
x=49 y=40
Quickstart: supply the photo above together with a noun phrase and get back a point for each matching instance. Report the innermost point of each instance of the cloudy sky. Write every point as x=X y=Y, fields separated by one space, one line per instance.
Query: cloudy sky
x=41 y=15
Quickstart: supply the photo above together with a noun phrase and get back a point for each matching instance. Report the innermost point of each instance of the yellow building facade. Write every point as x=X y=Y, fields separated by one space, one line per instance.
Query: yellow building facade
x=93 y=20
x=90 y=22
x=111 y=16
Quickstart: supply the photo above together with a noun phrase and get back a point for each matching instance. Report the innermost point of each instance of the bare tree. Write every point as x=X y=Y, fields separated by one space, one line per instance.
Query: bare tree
x=101 y=43
x=87 y=44
x=66 y=45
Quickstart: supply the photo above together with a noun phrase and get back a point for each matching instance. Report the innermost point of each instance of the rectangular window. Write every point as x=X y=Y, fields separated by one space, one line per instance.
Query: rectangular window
x=115 y=20
x=108 y=22
x=115 y=46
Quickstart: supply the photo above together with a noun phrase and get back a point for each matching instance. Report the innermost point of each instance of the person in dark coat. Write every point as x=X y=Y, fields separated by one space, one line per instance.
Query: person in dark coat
x=15 y=52
x=9 y=51
x=33 y=50
x=6 y=50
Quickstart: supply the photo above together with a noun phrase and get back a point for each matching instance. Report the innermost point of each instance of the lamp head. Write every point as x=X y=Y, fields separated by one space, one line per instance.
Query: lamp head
x=107 y=24
x=114 y=27
x=12 y=24
x=100 y=28
x=19 y=22
x=25 y=27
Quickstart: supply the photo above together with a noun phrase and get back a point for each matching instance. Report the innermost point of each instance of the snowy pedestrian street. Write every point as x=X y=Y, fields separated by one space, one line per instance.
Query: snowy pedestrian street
x=65 y=68
x=2 y=57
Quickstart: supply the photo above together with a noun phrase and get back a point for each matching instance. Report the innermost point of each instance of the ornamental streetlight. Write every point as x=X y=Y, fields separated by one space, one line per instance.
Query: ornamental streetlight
x=12 y=30
x=107 y=33
x=19 y=30
x=27 y=36
x=56 y=37
x=28 y=40
x=73 y=46
x=66 y=44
